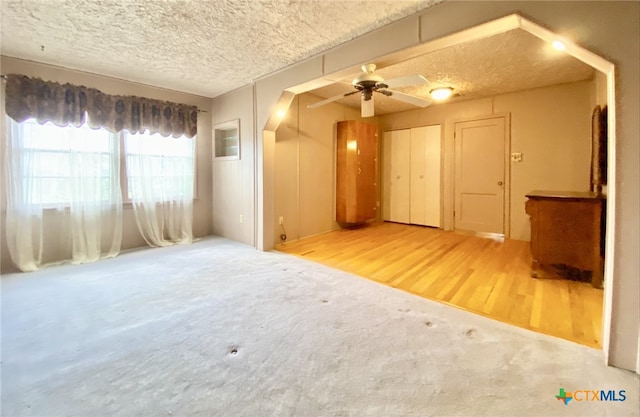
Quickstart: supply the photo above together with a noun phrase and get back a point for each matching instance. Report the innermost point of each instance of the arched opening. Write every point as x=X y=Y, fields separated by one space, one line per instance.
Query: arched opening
x=494 y=28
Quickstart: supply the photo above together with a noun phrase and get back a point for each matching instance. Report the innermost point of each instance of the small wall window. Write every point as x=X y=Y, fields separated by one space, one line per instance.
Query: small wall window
x=226 y=138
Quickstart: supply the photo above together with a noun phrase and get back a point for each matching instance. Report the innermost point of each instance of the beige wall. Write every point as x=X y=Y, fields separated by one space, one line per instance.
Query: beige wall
x=234 y=180
x=305 y=167
x=554 y=158
x=550 y=126
x=56 y=241
x=609 y=29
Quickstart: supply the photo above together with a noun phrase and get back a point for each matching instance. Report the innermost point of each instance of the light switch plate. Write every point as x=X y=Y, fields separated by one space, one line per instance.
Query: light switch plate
x=516 y=157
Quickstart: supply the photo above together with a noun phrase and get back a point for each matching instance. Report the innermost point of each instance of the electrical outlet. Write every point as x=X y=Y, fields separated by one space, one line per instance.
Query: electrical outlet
x=516 y=157
x=281 y=220
x=241 y=218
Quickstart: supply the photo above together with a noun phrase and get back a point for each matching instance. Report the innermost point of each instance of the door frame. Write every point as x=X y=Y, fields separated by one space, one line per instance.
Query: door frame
x=450 y=170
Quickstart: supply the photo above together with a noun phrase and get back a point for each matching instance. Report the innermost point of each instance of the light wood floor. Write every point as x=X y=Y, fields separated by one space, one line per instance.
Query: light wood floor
x=480 y=275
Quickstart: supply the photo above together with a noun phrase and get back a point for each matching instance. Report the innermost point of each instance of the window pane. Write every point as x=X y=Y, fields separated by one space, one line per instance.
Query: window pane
x=159 y=168
x=59 y=164
x=50 y=164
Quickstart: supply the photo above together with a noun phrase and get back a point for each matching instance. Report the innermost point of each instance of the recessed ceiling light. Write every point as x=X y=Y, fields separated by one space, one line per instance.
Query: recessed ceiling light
x=441 y=93
x=559 y=45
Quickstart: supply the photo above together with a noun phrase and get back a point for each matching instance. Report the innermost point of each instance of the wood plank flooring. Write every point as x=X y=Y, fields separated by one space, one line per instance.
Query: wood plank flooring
x=480 y=275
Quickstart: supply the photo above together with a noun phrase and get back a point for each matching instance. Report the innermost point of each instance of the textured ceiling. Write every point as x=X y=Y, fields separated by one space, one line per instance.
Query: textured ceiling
x=511 y=61
x=199 y=46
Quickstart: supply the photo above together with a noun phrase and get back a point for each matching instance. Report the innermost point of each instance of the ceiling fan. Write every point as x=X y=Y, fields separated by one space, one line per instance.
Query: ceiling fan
x=368 y=83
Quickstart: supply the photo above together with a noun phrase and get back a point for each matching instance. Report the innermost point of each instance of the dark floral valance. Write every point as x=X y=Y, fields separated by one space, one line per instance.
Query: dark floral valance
x=65 y=104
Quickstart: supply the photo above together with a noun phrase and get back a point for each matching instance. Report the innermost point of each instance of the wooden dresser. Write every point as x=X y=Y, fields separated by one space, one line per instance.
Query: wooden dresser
x=566 y=231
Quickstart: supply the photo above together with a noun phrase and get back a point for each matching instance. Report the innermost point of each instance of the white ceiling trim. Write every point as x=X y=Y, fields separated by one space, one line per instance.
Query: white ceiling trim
x=531 y=64
x=572 y=49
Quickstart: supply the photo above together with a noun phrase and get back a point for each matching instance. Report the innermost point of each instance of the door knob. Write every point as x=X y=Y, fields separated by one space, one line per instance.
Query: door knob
x=500 y=183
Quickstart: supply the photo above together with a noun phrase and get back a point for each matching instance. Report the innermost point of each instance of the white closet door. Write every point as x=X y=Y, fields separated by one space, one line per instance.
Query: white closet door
x=396 y=171
x=425 y=176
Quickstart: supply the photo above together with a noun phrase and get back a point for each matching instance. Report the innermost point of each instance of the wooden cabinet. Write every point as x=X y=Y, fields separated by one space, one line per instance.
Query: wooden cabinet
x=566 y=232
x=411 y=176
x=356 y=173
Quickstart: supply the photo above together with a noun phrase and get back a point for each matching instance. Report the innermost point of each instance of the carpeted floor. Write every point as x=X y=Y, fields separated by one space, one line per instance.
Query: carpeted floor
x=219 y=329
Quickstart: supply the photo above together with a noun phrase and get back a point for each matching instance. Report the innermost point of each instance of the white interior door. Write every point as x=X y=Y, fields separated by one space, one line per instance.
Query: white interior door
x=425 y=176
x=480 y=147
x=396 y=176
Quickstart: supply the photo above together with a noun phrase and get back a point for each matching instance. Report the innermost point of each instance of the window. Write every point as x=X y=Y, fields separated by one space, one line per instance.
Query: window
x=57 y=166
x=51 y=157
x=82 y=171
x=159 y=168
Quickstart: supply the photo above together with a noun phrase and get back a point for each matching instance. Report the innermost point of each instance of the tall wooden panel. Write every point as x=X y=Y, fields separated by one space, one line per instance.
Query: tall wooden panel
x=356 y=171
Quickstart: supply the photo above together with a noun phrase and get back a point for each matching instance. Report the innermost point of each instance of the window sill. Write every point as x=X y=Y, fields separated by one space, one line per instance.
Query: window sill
x=127 y=205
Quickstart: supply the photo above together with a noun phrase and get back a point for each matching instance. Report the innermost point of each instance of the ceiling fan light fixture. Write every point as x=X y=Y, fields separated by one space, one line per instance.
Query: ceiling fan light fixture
x=369 y=82
x=442 y=93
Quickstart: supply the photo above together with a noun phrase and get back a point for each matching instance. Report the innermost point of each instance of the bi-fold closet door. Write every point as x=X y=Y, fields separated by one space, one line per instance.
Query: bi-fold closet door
x=411 y=176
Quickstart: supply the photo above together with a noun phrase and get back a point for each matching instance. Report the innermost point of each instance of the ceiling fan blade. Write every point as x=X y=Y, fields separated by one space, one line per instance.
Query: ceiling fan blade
x=367 y=107
x=415 y=79
x=407 y=98
x=330 y=100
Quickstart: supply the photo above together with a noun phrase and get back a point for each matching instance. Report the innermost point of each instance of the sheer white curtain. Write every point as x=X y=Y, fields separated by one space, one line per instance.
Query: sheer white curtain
x=65 y=168
x=160 y=175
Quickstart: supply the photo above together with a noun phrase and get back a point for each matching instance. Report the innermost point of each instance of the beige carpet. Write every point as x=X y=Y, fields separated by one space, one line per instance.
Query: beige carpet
x=219 y=329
